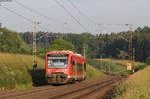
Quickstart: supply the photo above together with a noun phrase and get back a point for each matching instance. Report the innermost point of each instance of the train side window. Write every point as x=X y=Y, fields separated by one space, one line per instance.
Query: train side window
x=80 y=68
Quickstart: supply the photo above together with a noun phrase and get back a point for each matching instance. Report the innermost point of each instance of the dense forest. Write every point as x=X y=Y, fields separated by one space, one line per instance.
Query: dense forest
x=114 y=45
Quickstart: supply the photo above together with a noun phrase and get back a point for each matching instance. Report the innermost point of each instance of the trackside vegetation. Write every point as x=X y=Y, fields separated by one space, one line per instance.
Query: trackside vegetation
x=16 y=72
x=136 y=87
x=109 y=67
x=94 y=73
x=115 y=66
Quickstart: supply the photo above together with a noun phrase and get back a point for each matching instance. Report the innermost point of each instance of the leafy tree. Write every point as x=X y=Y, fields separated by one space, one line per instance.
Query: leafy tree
x=60 y=44
x=10 y=41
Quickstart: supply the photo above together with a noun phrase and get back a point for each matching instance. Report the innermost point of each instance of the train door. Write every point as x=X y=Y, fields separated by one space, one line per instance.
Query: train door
x=74 y=69
x=83 y=70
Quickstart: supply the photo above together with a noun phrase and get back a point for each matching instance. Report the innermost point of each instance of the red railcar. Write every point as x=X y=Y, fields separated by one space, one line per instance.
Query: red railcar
x=64 y=66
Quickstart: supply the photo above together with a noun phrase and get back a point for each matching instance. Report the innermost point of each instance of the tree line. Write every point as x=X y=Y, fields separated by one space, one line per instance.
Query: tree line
x=113 y=45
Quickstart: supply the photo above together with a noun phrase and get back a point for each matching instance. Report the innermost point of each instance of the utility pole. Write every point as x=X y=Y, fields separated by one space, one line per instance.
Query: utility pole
x=133 y=59
x=130 y=49
x=133 y=54
x=34 y=44
x=130 y=43
x=84 y=53
x=101 y=61
x=85 y=47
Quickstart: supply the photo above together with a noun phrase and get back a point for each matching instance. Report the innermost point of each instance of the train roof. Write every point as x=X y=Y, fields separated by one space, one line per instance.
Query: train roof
x=65 y=52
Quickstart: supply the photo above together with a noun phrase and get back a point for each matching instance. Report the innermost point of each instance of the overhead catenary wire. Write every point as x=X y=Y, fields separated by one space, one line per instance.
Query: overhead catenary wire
x=86 y=16
x=35 y=11
x=90 y=19
x=73 y=17
x=79 y=11
x=39 y=14
x=25 y=18
x=21 y=16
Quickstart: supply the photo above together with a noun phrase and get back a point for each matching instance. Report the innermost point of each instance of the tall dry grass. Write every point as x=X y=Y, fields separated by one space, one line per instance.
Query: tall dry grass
x=16 y=71
x=136 y=87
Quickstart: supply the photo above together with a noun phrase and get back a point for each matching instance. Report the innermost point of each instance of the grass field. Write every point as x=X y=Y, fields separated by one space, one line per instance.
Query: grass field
x=109 y=67
x=94 y=73
x=115 y=66
x=16 y=72
x=136 y=87
x=123 y=62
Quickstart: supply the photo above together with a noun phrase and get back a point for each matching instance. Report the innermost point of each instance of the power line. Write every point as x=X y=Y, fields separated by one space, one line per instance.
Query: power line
x=25 y=18
x=86 y=16
x=62 y=6
x=47 y=18
x=79 y=11
x=34 y=11
x=21 y=16
x=90 y=19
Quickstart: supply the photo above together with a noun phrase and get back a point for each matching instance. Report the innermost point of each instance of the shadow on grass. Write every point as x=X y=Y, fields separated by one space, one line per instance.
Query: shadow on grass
x=38 y=77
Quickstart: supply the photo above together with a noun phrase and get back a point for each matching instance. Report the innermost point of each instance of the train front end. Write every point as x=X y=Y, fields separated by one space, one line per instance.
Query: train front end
x=56 y=68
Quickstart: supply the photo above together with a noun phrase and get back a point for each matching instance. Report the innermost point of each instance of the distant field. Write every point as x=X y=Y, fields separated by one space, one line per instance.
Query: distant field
x=136 y=87
x=123 y=62
x=16 y=72
x=115 y=66
x=109 y=67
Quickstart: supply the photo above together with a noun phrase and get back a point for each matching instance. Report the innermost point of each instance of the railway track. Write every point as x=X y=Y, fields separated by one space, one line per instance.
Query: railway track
x=86 y=89
x=17 y=94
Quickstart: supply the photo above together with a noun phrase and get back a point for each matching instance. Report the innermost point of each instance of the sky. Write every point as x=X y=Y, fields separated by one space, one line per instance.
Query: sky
x=94 y=16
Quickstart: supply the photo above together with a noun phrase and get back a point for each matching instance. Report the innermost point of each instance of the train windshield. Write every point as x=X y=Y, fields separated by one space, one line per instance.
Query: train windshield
x=57 y=61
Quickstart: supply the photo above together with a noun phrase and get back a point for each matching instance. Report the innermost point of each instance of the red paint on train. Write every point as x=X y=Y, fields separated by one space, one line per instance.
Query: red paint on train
x=64 y=67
